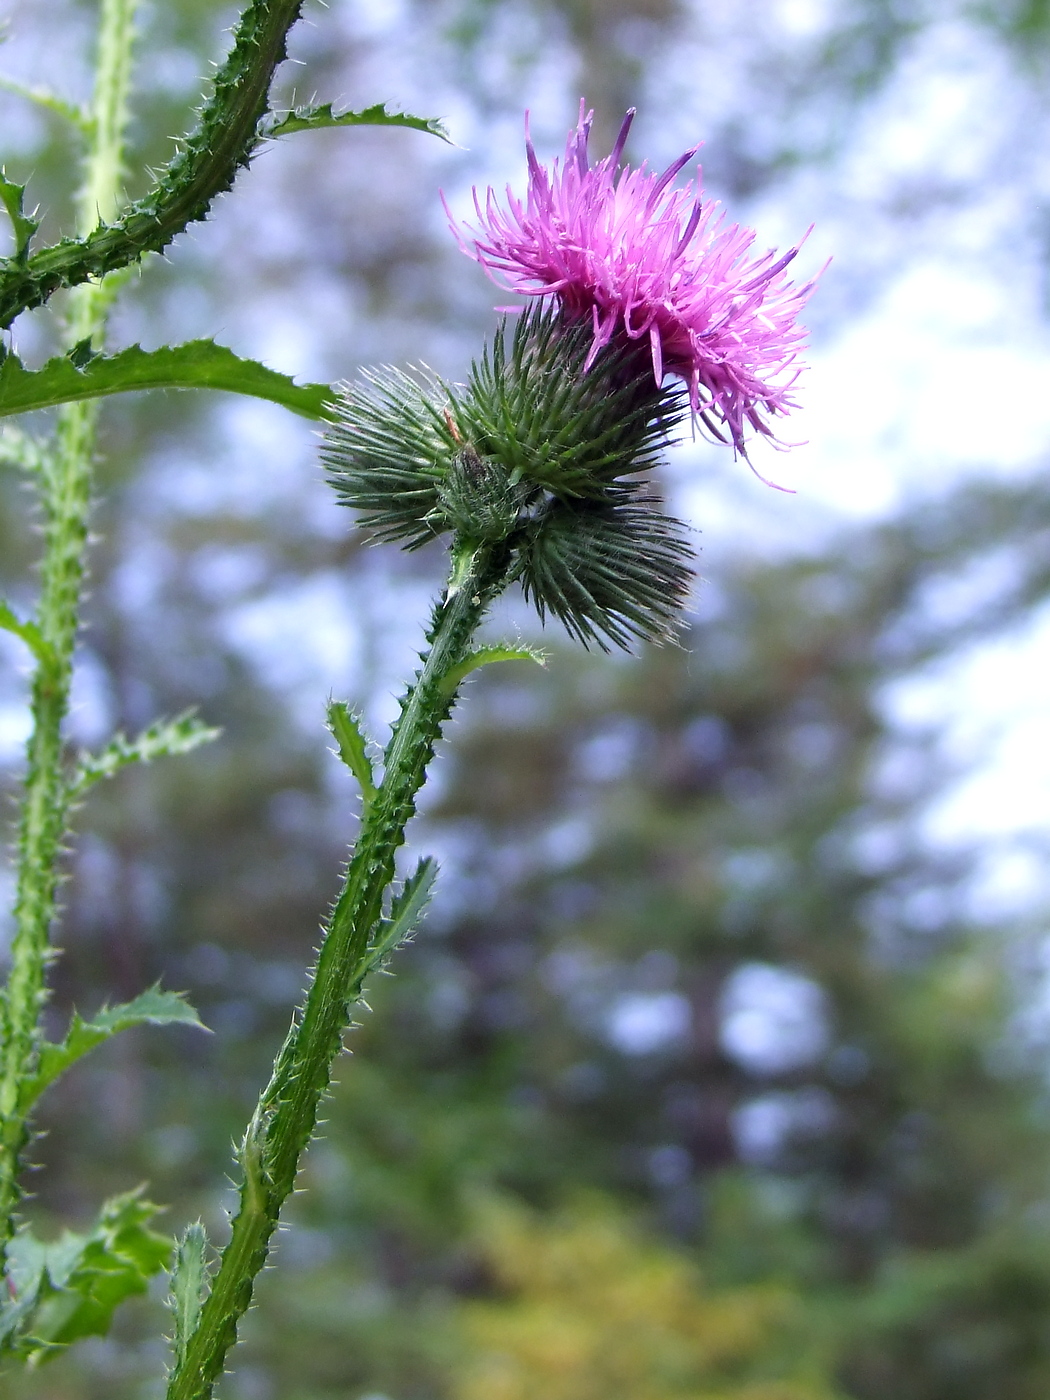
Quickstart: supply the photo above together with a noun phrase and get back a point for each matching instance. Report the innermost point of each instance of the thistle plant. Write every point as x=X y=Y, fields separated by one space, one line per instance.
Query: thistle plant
x=644 y=313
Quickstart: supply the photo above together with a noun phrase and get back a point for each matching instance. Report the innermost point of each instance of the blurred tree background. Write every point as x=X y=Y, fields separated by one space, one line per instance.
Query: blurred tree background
x=714 y=1071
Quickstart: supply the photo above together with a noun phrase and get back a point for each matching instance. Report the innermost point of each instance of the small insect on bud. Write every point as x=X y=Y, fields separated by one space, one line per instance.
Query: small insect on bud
x=477 y=499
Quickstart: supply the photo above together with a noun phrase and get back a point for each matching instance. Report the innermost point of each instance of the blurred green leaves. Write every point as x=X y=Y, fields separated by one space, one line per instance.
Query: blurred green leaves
x=69 y=1289
x=162 y=739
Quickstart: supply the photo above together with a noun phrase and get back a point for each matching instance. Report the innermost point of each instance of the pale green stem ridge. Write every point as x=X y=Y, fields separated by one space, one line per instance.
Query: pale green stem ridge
x=286 y=1115
x=65 y=486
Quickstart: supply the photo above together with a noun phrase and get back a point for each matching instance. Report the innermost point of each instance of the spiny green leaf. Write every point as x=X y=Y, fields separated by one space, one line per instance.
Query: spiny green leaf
x=411 y=901
x=405 y=913
x=29 y=632
x=346 y=728
x=153 y=1007
x=24 y=227
x=484 y=656
x=189 y=1284
x=199 y=364
x=314 y=118
x=70 y=1288
x=82 y=353
x=162 y=739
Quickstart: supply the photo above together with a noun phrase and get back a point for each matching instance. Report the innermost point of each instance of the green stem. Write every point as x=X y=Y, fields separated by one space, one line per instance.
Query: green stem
x=286 y=1115
x=223 y=141
x=66 y=491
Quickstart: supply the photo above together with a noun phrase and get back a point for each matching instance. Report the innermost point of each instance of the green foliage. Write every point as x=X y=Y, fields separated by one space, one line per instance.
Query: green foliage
x=28 y=632
x=154 y=1008
x=69 y=1289
x=353 y=747
x=50 y=102
x=316 y=118
x=581 y=1307
x=22 y=225
x=924 y=1147
x=200 y=364
x=406 y=910
x=19 y=449
x=969 y=1323
x=902 y=1211
x=485 y=656
x=189 y=1286
x=164 y=738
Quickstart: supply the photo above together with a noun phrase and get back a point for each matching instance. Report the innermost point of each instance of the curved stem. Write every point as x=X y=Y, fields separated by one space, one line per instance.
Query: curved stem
x=66 y=491
x=206 y=166
x=286 y=1115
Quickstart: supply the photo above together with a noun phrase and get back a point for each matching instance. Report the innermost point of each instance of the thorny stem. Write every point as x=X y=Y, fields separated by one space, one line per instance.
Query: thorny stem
x=286 y=1115
x=65 y=484
x=223 y=141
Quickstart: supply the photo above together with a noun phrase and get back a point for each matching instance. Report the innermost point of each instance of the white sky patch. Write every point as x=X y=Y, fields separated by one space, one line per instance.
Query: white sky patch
x=773 y=1020
x=990 y=703
x=802 y=18
x=763 y=1126
x=643 y=1023
x=376 y=17
x=302 y=641
x=944 y=112
x=15 y=724
x=937 y=381
x=932 y=367
x=91 y=710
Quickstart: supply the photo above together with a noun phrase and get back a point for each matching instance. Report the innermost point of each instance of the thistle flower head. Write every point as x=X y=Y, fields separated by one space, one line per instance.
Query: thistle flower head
x=639 y=260
x=535 y=454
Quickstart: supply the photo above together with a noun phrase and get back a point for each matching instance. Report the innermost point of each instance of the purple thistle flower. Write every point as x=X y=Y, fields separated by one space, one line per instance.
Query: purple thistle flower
x=654 y=264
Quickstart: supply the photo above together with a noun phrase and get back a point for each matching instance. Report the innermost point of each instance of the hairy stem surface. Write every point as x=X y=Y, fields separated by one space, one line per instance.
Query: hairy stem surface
x=207 y=164
x=286 y=1115
x=65 y=483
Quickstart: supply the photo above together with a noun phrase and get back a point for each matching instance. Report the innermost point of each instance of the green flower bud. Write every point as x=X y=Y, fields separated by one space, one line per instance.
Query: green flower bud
x=476 y=498
x=537 y=450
